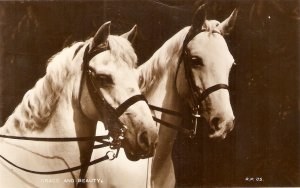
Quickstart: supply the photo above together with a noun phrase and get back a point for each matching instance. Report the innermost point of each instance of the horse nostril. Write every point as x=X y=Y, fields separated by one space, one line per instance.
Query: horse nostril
x=143 y=140
x=215 y=123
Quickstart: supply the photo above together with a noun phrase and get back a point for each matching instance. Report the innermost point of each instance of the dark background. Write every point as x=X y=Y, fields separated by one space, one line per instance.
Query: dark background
x=264 y=85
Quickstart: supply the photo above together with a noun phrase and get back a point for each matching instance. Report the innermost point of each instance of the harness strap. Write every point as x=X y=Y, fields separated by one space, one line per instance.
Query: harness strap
x=79 y=167
x=62 y=139
x=100 y=146
x=106 y=111
x=212 y=89
x=88 y=55
x=126 y=104
x=164 y=110
x=172 y=126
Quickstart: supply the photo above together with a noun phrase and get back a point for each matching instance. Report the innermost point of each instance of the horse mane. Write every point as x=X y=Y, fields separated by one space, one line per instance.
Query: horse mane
x=158 y=64
x=39 y=103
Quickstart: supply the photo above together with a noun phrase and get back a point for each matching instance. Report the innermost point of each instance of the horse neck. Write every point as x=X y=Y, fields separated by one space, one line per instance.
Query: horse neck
x=161 y=91
x=76 y=124
x=159 y=83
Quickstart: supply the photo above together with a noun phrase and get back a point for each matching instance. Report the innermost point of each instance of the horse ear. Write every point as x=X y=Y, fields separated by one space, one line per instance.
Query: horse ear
x=227 y=25
x=101 y=35
x=131 y=35
x=199 y=17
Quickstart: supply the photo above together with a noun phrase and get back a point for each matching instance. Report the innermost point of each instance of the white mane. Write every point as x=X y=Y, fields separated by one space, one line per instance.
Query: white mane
x=154 y=68
x=39 y=103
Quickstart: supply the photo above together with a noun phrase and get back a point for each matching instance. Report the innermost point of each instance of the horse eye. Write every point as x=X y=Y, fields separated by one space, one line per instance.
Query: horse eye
x=196 y=61
x=104 y=79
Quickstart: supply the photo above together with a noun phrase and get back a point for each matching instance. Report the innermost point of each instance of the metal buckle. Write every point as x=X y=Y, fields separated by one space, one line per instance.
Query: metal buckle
x=196 y=115
x=111 y=155
x=118 y=138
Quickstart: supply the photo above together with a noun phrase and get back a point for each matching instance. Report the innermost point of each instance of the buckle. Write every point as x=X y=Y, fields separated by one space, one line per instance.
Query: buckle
x=111 y=155
x=118 y=138
x=196 y=115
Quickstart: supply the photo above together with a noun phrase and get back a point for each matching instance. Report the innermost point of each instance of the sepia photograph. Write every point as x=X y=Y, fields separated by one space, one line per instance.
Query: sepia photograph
x=149 y=93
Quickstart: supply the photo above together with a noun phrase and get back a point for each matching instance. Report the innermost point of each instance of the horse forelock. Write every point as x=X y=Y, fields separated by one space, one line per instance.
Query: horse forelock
x=39 y=103
x=121 y=48
x=211 y=26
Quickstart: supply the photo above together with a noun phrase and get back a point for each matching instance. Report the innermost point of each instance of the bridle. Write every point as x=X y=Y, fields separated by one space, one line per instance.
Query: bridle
x=197 y=97
x=108 y=115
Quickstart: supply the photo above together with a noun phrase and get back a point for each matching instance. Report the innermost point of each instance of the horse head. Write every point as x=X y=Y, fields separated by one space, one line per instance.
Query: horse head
x=206 y=66
x=112 y=72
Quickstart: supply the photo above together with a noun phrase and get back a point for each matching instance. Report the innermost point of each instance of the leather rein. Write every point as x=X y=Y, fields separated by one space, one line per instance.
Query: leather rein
x=197 y=97
x=109 y=116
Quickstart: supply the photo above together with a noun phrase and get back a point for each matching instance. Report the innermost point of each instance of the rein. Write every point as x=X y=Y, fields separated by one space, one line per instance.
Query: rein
x=105 y=157
x=197 y=97
x=108 y=156
x=109 y=116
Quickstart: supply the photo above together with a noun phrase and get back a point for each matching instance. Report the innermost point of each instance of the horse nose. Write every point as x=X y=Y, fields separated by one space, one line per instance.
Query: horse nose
x=147 y=140
x=214 y=123
x=217 y=121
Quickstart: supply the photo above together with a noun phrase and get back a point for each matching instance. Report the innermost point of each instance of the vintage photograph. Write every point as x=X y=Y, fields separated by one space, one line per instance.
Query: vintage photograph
x=149 y=93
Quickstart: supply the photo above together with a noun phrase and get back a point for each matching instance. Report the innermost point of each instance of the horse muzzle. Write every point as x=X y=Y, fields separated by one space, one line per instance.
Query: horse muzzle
x=144 y=146
x=221 y=128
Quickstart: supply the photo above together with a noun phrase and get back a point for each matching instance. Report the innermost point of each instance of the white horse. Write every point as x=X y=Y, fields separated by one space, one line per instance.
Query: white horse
x=61 y=105
x=165 y=82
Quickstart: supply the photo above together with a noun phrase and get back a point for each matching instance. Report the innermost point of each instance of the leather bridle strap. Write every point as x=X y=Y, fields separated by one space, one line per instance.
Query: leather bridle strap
x=105 y=110
x=164 y=110
x=172 y=126
x=100 y=139
x=180 y=129
x=174 y=113
x=79 y=167
x=126 y=104
x=62 y=139
x=210 y=90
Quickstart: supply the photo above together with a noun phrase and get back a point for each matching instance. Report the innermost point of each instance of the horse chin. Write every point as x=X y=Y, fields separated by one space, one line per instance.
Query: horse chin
x=133 y=150
x=218 y=135
x=131 y=153
x=131 y=156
